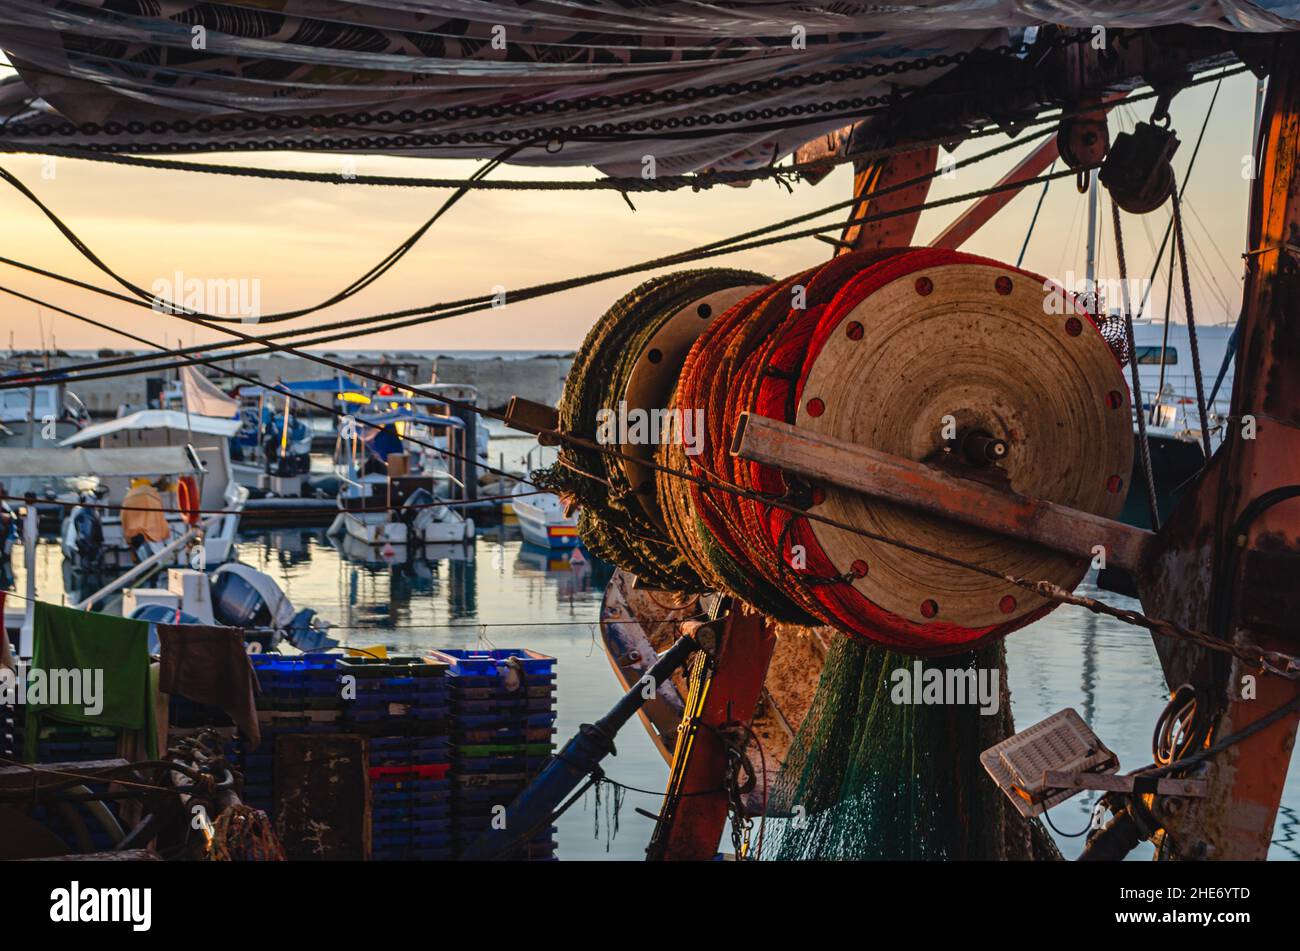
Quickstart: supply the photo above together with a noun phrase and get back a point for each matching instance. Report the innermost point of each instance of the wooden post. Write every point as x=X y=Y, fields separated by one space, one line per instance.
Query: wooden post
x=825 y=460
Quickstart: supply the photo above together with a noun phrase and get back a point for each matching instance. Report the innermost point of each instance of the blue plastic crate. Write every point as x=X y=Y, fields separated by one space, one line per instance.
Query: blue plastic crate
x=466 y=662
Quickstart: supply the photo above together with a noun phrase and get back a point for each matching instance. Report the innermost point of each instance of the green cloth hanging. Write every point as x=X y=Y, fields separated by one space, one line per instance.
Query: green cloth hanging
x=66 y=639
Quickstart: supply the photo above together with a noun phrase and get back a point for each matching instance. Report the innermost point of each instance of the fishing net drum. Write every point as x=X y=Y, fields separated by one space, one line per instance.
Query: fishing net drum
x=978 y=369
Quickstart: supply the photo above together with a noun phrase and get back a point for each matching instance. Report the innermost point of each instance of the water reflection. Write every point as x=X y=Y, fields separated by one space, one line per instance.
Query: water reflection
x=500 y=591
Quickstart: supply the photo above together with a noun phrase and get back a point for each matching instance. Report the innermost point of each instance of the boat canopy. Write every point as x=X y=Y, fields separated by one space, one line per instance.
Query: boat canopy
x=151 y=419
x=71 y=463
x=409 y=416
x=328 y=385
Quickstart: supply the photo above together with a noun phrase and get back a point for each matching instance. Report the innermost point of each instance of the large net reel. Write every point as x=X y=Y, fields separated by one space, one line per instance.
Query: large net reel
x=626 y=369
x=985 y=371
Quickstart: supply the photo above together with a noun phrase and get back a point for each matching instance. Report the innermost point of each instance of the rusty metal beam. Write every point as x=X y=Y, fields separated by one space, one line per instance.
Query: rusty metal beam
x=980 y=213
x=724 y=693
x=1110 y=782
x=824 y=459
x=1219 y=547
x=874 y=176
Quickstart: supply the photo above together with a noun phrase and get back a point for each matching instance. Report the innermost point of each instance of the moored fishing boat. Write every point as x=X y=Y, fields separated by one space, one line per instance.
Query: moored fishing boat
x=542 y=518
x=98 y=534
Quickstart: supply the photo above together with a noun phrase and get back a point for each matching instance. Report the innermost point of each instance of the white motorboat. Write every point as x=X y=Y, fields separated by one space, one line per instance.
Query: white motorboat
x=542 y=520
x=40 y=415
x=381 y=502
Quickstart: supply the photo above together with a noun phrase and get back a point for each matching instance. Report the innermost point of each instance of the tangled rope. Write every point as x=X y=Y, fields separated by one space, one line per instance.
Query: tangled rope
x=613 y=523
x=244 y=834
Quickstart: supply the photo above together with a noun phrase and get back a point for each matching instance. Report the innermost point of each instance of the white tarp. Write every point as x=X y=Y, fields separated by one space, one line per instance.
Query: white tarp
x=135 y=61
x=150 y=419
x=73 y=463
x=204 y=397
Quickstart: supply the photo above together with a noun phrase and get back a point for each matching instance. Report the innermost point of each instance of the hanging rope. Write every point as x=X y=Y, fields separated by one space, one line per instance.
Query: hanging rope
x=394 y=320
x=1139 y=404
x=1191 y=322
x=377 y=271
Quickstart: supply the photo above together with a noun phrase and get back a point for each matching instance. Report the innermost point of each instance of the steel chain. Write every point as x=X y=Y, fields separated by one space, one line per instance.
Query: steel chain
x=321 y=122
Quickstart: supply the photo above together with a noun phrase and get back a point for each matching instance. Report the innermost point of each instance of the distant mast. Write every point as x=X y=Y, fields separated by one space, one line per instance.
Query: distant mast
x=1094 y=303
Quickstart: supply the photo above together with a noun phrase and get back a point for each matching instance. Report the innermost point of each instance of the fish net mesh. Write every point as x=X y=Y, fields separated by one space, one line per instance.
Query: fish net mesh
x=871 y=778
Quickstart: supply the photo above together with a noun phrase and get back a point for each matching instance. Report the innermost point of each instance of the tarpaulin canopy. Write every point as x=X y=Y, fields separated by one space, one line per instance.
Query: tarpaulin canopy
x=466 y=78
x=149 y=419
x=72 y=463
x=326 y=385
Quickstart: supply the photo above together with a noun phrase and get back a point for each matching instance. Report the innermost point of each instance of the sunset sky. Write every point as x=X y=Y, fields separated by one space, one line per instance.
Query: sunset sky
x=303 y=242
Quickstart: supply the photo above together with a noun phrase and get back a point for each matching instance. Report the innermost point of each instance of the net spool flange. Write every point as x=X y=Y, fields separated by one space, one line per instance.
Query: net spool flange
x=654 y=376
x=951 y=351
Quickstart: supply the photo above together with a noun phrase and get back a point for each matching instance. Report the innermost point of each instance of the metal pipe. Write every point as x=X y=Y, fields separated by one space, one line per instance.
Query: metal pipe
x=30 y=532
x=144 y=567
x=535 y=805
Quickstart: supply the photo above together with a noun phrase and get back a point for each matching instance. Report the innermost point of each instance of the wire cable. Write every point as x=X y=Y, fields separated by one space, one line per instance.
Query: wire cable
x=427 y=313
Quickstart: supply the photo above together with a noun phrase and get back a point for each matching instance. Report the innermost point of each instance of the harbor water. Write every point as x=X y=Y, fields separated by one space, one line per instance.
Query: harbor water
x=503 y=592
x=507 y=593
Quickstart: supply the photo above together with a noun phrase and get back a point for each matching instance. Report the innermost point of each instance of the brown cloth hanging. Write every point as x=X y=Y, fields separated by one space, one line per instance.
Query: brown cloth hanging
x=210 y=665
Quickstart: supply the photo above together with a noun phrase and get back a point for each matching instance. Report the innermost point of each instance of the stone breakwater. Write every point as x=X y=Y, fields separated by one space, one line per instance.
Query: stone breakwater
x=538 y=377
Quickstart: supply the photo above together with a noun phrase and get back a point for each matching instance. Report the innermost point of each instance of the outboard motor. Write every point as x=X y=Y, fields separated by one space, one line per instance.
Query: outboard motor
x=305 y=635
x=418 y=512
x=88 y=533
x=236 y=603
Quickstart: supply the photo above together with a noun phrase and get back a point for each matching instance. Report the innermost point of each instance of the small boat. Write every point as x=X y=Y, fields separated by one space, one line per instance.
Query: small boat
x=186 y=460
x=235 y=595
x=39 y=416
x=381 y=503
x=542 y=520
x=1169 y=398
x=353 y=550
x=272 y=451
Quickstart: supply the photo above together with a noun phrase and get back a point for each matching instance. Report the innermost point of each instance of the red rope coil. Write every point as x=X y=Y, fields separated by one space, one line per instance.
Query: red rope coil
x=756 y=358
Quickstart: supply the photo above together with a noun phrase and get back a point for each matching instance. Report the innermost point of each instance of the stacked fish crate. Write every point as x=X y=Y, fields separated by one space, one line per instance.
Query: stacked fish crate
x=68 y=742
x=400 y=704
x=9 y=745
x=503 y=731
x=300 y=694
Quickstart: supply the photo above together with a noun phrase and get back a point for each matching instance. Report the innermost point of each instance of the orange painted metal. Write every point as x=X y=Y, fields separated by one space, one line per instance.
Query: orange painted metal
x=979 y=214
x=1206 y=570
x=875 y=176
x=724 y=691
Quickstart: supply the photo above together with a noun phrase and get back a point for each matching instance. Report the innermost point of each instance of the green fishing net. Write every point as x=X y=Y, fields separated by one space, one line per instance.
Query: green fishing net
x=871 y=778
